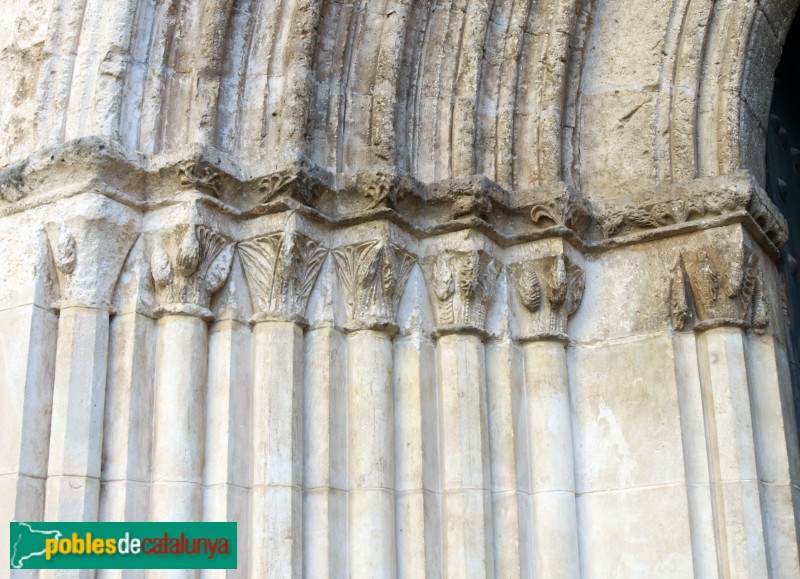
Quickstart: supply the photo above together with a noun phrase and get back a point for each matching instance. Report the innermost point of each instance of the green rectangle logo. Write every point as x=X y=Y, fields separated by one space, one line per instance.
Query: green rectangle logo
x=123 y=546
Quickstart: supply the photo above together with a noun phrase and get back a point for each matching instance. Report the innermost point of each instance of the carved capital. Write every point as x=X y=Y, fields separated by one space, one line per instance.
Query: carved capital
x=714 y=287
x=200 y=176
x=188 y=266
x=462 y=284
x=373 y=275
x=551 y=290
x=281 y=270
x=88 y=249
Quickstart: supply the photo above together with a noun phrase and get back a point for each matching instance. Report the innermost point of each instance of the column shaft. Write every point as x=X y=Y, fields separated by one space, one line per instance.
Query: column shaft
x=179 y=423
x=775 y=437
x=419 y=542
x=127 y=442
x=695 y=456
x=552 y=469
x=740 y=536
x=325 y=455
x=276 y=507
x=226 y=474
x=371 y=455
x=73 y=482
x=27 y=360
x=463 y=428
x=505 y=398
x=73 y=479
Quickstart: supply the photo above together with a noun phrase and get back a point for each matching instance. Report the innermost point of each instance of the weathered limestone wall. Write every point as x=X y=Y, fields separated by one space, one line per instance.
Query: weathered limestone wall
x=405 y=288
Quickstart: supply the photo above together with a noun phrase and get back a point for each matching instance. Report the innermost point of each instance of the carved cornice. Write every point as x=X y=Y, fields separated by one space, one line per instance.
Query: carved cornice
x=373 y=275
x=676 y=205
x=281 y=269
x=188 y=266
x=551 y=290
x=461 y=286
x=715 y=287
x=423 y=210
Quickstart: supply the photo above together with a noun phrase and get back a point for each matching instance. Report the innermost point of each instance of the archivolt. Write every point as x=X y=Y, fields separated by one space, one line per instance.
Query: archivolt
x=433 y=88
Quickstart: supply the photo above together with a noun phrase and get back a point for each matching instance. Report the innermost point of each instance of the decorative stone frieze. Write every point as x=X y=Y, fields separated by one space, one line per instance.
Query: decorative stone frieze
x=461 y=284
x=281 y=269
x=373 y=275
x=188 y=266
x=713 y=288
x=675 y=205
x=551 y=289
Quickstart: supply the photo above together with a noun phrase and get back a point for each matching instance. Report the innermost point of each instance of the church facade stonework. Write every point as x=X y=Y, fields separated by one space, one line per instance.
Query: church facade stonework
x=405 y=288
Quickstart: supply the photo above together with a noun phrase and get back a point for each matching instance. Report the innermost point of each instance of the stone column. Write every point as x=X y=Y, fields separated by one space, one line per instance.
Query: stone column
x=714 y=290
x=127 y=439
x=463 y=284
x=226 y=472
x=281 y=270
x=550 y=290
x=28 y=331
x=189 y=264
x=325 y=459
x=417 y=459
x=373 y=275
x=89 y=249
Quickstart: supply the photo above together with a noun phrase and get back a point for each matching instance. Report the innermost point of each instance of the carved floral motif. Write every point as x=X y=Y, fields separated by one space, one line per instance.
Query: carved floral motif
x=281 y=269
x=66 y=254
x=614 y=222
x=201 y=176
x=715 y=286
x=373 y=275
x=381 y=188
x=563 y=286
x=296 y=185
x=462 y=284
x=194 y=270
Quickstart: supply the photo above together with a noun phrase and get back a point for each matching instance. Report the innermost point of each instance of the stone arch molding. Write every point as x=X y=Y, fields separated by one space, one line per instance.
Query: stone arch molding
x=435 y=91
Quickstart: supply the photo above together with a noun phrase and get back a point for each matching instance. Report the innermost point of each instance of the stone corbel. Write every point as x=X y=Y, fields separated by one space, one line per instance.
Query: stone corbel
x=281 y=269
x=712 y=288
x=373 y=275
x=188 y=265
x=551 y=290
x=462 y=284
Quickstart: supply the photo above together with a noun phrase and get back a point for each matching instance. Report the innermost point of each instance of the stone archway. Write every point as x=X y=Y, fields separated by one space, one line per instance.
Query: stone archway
x=408 y=288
